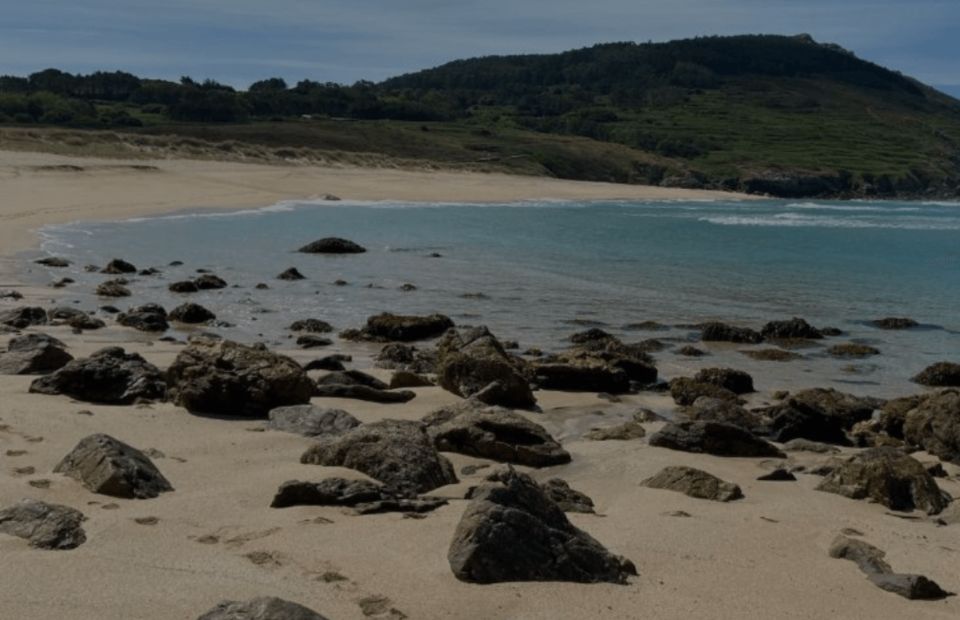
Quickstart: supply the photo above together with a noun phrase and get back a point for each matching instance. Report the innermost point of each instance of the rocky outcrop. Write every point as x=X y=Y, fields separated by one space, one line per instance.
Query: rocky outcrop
x=472 y=363
x=713 y=438
x=108 y=466
x=512 y=531
x=43 y=525
x=226 y=378
x=110 y=376
x=398 y=453
x=694 y=483
x=889 y=477
x=735 y=381
x=363 y=496
x=500 y=435
x=263 y=608
x=332 y=245
x=192 y=314
x=795 y=328
x=33 y=354
x=871 y=562
x=23 y=317
x=721 y=332
x=311 y=421
x=146 y=318
x=934 y=425
x=941 y=374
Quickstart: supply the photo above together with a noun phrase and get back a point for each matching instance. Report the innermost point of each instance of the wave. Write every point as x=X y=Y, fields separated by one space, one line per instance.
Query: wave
x=818 y=221
x=851 y=208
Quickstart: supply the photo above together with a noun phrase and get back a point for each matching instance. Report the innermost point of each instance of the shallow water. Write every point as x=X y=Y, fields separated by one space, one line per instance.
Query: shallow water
x=538 y=271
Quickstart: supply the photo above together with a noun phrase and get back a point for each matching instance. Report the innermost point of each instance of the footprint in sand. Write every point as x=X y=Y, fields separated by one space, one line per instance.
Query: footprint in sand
x=43 y=483
x=146 y=520
x=376 y=606
x=265 y=559
x=16 y=452
x=24 y=471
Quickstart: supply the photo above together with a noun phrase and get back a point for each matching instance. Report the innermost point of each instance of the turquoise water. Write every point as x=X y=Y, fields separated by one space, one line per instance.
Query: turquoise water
x=545 y=268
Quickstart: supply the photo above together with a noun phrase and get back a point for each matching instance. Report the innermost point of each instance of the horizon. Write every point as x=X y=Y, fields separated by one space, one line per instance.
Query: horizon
x=336 y=41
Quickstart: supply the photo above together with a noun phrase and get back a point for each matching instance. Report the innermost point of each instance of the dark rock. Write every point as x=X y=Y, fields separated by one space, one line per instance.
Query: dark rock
x=778 y=475
x=192 y=314
x=86 y=322
x=107 y=466
x=146 y=318
x=330 y=362
x=713 y=438
x=626 y=431
x=686 y=391
x=889 y=477
x=332 y=245
x=694 y=483
x=10 y=294
x=794 y=328
x=398 y=356
x=388 y=327
x=118 y=266
x=721 y=332
x=690 y=351
x=112 y=288
x=941 y=374
x=706 y=409
x=398 y=453
x=62 y=282
x=500 y=435
x=819 y=415
x=364 y=496
x=311 y=421
x=291 y=274
x=473 y=363
x=894 y=323
x=110 y=376
x=53 y=261
x=935 y=425
x=261 y=286
x=352 y=377
x=852 y=350
x=363 y=392
x=568 y=499
x=408 y=287
x=736 y=381
x=313 y=341
x=913 y=587
x=150 y=271
x=312 y=326
x=805 y=445
x=185 y=286
x=772 y=355
x=45 y=526
x=209 y=282
x=262 y=608
x=33 y=354
x=512 y=531
x=870 y=559
x=594 y=334
x=226 y=378
x=871 y=562
x=406 y=379
x=582 y=377
x=23 y=317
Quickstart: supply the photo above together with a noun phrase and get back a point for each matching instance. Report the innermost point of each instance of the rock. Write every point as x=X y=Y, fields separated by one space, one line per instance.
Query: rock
x=941 y=374
x=568 y=499
x=691 y=351
x=23 y=317
x=472 y=363
x=721 y=332
x=262 y=608
x=582 y=377
x=894 y=323
x=226 y=378
x=53 y=261
x=713 y=438
x=146 y=318
x=594 y=334
x=778 y=475
x=192 y=314
x=185 y=286
x=512 y=531
x=706 y=409
x=110 y=376
x=108 y=466
x=893 y=415
x=118 y=266
x=819 y=415
x=626 y=431
x=499 y=435
x=311 y=421
x=85 y=322
x=935 y=425
x=398 y=453
x=794 y=328
x=407 y=287
x=407 y=379
x=686 y=391
x=772 y=355
x=736 y=381
x=352 y=377
x=805 y=445
x=950 y=515
x=889 y=477
x=209 y=281
x=291 y=274
x=398 y=356
x=870 y=559
x=10 y=294
x=332 y=245
x=313 y=341
x=33 y=354
x=913 y=587
x=694 y=483
x=852 y=350
x=871 y=562
x=388 y=327
x=363 y=392
x=312 y=326
x=364 y=496
x=45 y=526
x=112 y=288
x=330 y=362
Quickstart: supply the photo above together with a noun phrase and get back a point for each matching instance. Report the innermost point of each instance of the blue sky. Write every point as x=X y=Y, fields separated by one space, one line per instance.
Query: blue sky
x=238 y=41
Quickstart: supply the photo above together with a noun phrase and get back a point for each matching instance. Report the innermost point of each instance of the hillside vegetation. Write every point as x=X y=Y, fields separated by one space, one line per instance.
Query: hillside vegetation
x=765 y=114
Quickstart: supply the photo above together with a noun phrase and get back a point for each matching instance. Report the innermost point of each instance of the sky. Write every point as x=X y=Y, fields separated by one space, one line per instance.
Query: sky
x=240 y=41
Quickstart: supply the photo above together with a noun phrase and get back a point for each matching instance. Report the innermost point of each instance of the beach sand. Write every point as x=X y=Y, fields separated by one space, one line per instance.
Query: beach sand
x=216 y=538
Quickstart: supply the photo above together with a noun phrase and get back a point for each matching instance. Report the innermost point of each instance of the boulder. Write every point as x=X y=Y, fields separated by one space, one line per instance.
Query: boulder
x=312 y=326
x=332 y=245
x=146 y=318
x=941 y=374
x=889 y=477
x=110 y=376
x=388 y=327
x=893 y=414
x=33 y=354
x=363 y=496
x=118 y=266
x=472 y=363
x=311 y=421
x=23 y=317
x=500 y=435
x=512 y=531
x=226 y=378
x=685 y=391
x=694 y=483
x=795 y=328
x=819 y=415
x=108 y=466
x=567 y=498
x=398 y=453
x=894 y=323
x=735 y=381
x=262 y=608
x=935 y=425
x=363 y=392
x=43 y=525
x=713 y=438
x=582 y=377
x=706 y=409
x=192 y=314
x=209 y=282
x=112 y=288
x=407 y=379
x=185 y=286
x=721 y=332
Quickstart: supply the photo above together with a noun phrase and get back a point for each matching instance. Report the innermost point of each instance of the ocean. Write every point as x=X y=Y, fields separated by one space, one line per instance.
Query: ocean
x=536 y=272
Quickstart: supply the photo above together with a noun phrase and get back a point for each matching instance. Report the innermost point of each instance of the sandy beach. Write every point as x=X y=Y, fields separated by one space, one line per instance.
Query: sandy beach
x=215 y=537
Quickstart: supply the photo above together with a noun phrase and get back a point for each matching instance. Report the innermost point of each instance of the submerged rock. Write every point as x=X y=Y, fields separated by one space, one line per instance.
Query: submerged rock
x=794 y=328
x=263 y=608
x=112 y=288
x=110 y=376
x=721 y=332
x=209 y=282
x=332 y=245
x=694 y=483
x=853 y=350
x=108 y=466
x=45 y=526
x=312 y=326
x=894 y=323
